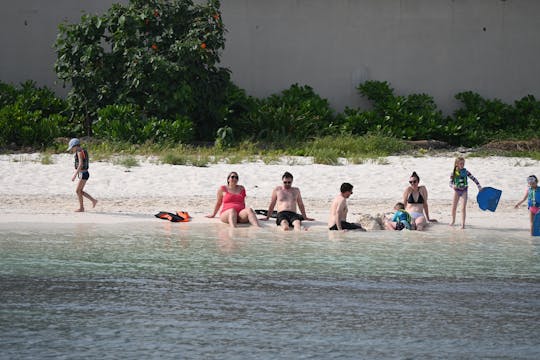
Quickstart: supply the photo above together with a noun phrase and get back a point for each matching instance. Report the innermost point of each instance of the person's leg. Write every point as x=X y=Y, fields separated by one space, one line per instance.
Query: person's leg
x=420 y=222
x=390 y=225
x=248 y=216
x=89 y=197
x=532 y=215
x=79 y=191
x=229 y=217
x=297 y=224
x=463 y=209
x=454 y=207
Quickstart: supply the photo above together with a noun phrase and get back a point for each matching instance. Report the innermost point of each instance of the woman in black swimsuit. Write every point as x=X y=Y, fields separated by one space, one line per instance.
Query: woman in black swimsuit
x=415 y=199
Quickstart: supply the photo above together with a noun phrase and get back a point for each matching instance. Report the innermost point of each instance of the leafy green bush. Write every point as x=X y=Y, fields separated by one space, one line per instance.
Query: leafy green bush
x=298 y=113
x=527 y=114
x=161 y=55
x=480 y=119
x=409 y=117
x=30 y=115
x=22 y=127
x=179 y=130
x=119 y=123
x=125 y=123
x=8 y=94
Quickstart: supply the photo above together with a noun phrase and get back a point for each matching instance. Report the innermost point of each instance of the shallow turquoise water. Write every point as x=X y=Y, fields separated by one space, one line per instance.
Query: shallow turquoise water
x=202 y=291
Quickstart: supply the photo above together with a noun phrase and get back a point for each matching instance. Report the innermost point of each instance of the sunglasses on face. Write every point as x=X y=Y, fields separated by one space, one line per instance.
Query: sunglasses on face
x=413 y=182
x=287 y=182
x=233 y=177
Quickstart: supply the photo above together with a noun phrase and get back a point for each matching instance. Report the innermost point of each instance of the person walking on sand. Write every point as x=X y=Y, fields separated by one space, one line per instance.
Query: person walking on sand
x=339 y=210
x=81 y=171
x=415 y=199
x=532 y=195
x=287 y=197
x=458 y=182
x=232 y=198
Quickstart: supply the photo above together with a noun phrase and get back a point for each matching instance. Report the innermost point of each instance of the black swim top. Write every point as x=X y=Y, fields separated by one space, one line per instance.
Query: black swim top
x=411 y=200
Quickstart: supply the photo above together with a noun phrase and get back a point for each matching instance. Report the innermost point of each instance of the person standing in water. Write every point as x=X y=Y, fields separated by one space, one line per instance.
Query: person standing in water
x=458 y=182
x=415 y=199
x=287 y=198
x=532 y=195
x=81 y=170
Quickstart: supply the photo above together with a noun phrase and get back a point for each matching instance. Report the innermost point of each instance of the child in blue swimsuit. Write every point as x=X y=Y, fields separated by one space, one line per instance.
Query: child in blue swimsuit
x=401 y=219
x=532 y=195
x=458 y=182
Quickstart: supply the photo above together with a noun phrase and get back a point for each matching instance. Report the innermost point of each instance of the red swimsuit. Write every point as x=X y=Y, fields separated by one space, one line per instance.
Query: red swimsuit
x=233 y=201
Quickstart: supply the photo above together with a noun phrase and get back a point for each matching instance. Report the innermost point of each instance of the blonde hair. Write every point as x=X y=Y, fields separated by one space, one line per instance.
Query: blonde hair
x=455 y=171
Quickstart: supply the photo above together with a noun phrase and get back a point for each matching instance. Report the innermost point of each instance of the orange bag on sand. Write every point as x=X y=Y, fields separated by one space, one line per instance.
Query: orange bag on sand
x=180 y=216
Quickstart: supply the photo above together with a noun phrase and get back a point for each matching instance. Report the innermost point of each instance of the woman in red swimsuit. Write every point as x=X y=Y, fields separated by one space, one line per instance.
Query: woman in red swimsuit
x=231 y=200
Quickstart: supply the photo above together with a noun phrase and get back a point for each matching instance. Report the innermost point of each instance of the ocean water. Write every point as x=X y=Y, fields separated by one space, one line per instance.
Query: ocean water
x=180 y=291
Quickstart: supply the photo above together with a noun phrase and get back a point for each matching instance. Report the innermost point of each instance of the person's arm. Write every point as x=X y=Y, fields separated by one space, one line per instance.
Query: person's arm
x=273 y=201
x=522 y=200
x=218 y=203
x=474 y=179
x=79 y=168
x=426 y=206
x=406 y=196
x=303 y=209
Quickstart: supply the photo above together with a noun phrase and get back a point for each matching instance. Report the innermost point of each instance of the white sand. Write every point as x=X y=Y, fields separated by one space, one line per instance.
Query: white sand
x=47 y=193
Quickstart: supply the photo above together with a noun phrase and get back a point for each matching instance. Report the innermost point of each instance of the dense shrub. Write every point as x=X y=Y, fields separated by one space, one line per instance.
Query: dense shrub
x=416 y=117
x=126 y=123
x=409 y=117
x=31 y=116
x=297 y=113
x=160 y=55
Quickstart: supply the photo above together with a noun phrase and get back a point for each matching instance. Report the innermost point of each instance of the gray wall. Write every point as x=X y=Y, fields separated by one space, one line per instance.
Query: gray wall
x=439 y=47
x=28 y=31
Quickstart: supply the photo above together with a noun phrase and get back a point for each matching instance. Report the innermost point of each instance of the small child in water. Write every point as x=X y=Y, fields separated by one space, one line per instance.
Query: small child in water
x=81 y=171
x=533 y=196
x=401 y=219
x=458 y=182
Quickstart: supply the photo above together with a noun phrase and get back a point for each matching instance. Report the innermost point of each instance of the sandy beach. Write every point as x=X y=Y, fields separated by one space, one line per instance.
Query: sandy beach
x=43 y=193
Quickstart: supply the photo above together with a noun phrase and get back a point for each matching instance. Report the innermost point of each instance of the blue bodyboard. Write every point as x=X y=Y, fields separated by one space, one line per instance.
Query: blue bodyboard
x=536 y=225
x=488 y=198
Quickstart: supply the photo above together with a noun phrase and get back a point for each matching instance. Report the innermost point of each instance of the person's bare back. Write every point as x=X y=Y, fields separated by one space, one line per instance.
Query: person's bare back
x=338 y=211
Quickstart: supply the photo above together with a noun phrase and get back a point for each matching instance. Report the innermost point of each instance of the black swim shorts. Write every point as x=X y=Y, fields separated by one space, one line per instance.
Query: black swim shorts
x=85 y=175
x=289 y=216
x=347 y=226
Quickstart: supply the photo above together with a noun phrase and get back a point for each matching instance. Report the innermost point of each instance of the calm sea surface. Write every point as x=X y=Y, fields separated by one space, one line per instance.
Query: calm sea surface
x=173 y=291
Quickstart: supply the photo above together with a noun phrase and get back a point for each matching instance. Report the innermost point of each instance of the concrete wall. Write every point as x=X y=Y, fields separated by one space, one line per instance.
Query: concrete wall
x=439 y=47
x=28 y=31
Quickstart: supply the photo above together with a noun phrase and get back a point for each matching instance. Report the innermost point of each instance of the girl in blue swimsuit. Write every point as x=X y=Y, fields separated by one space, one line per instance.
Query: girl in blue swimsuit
x=532 y=195
x=458 y=182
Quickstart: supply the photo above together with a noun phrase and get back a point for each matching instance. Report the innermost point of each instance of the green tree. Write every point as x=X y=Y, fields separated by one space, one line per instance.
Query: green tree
x=160 y=55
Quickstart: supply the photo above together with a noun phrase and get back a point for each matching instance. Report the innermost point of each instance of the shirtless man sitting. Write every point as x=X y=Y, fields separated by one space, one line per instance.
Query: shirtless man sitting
x=287 y=197
x=339 y=210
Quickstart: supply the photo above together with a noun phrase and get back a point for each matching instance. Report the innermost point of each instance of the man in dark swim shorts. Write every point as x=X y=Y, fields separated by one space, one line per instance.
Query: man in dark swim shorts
x=339 y=210
x=288 y=216
x=287 y=198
